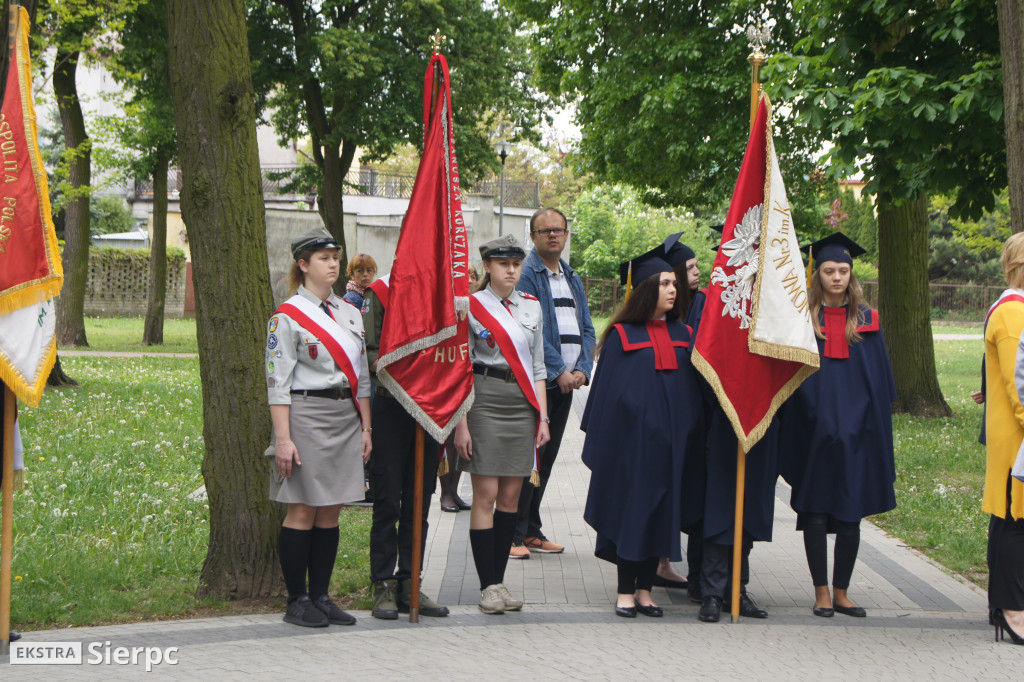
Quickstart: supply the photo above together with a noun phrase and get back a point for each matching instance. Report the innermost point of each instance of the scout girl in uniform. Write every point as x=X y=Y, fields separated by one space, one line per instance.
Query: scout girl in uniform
x=497 y=440
x=318 y=387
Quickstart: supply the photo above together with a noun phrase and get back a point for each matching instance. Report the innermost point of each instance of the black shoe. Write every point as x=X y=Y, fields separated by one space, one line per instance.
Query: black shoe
x=710 y=610
x=652 y=610
x=695 y=594
x=15 y=636
x=748 y=609
x=335 y=616
x=625 y=611
x=671 y=584
x=449 y=507
x=1002 y=626
x=301 y=611
x=824 y=612
x=855 y=611
x=463 y=505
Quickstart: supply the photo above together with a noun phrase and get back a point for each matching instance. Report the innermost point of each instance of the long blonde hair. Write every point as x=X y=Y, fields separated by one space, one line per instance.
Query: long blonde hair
x=854 y=297
x=1013 y=260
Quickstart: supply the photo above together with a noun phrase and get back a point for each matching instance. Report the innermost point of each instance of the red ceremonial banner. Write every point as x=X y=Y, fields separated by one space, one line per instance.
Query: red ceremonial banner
x=424 y=346
x=753 y=372
x=30 y=267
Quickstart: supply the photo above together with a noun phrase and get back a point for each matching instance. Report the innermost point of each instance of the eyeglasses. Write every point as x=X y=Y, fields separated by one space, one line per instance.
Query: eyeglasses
x=557 y=231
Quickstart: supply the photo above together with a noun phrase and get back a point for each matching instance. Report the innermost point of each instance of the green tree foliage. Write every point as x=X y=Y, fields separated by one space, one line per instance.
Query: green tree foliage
x=613 y=223
x=662 y=94
x=860 y=224
x=350 y=76
x=967 y=250
x=910 y=95
x=109 y=215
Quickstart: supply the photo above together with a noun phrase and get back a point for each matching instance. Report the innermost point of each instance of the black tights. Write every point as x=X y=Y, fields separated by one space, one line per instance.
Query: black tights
x=816 y=546
x=636 y=575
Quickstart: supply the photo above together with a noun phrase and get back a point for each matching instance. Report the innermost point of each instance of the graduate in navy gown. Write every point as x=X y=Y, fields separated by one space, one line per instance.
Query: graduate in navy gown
x=837 y=427
x=644 y=443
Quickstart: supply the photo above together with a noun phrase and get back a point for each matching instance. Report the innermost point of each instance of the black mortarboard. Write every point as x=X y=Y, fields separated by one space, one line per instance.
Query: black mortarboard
x=676 y=252
x=836 y=247
x=643 y=266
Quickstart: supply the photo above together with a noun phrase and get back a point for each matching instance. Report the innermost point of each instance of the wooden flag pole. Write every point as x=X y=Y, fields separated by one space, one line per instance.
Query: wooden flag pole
x=6 y=516
x=737 y=539
x=417 y=529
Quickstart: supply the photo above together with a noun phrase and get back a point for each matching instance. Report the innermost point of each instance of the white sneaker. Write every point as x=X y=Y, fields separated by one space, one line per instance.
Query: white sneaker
x=491 y=601
x=511 y=603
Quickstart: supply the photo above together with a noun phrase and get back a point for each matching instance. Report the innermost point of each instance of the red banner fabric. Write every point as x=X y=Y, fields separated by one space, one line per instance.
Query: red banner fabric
x=750 y=386
x=30 y=267
x=424 y=347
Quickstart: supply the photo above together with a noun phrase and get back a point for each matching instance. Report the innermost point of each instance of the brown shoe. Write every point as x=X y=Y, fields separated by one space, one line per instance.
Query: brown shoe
x=518 y=551
x=543 y=545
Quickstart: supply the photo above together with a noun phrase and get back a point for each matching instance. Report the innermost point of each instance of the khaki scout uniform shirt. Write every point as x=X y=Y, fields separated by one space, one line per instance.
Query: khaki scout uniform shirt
x=297 y=360
x=483 y=349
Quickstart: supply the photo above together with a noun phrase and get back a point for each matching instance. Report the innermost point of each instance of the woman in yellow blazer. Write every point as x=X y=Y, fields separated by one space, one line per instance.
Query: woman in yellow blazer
x=1004 y=431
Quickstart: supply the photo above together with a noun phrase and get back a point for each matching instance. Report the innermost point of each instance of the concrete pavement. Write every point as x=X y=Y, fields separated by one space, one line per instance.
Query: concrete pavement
x=922 y=622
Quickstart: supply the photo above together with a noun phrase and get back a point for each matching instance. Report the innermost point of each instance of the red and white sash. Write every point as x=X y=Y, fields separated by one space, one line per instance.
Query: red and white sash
x=381 y=288
x=342 y=347
x=488 y=310
x=1005 y=297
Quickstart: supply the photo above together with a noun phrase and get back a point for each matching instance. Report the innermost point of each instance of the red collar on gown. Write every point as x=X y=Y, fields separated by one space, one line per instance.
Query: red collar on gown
x=664 y=351
x=836 y=346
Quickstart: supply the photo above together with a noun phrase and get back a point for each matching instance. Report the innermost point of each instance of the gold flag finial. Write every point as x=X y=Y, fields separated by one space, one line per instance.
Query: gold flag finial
x=437 y=40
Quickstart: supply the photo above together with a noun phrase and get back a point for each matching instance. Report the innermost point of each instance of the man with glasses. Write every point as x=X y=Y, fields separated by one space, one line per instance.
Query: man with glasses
x=568 y=354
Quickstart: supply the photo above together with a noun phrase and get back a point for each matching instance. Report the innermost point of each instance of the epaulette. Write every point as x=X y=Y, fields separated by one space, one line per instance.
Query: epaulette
x=529 y=296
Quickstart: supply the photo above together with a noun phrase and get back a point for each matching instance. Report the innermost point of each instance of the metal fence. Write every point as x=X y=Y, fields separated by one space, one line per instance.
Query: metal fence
x=954 y=302
x=364 y=182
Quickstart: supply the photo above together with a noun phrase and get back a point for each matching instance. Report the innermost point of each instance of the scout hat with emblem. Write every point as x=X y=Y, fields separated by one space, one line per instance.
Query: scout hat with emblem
x=506 y=246
x=314 y=240
x=676 y=252
x=836 y=247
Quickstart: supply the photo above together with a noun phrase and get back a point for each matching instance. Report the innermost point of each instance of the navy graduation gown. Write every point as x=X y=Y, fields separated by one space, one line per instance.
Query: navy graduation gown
x=837 y=431
x=644 y=444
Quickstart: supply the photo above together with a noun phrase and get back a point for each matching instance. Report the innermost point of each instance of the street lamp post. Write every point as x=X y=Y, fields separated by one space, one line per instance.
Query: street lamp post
x=503 y=148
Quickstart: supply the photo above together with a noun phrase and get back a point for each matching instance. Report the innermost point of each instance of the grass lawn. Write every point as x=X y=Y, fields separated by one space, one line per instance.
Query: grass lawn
x=125 y=334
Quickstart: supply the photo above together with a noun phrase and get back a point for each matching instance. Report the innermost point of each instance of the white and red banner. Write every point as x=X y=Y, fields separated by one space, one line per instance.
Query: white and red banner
x=755 y=343
x=30 y=268
x=424 y=346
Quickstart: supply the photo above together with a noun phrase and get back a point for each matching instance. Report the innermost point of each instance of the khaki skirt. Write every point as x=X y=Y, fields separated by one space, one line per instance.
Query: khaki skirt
x=328 y=436
x=503 y=426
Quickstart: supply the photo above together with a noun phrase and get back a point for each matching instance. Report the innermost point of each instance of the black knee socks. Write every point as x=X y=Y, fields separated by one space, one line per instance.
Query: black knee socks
x=504 y=529
x=293 y=545
x=482 y=542
x=322 y=554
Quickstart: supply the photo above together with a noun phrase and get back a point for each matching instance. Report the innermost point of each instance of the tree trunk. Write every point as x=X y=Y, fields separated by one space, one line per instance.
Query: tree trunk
x=905 y=307
x=71 y=304
x=1011 y=25
x=153 y=332
x=57 y=376
x=222 y=205
x=330 y=203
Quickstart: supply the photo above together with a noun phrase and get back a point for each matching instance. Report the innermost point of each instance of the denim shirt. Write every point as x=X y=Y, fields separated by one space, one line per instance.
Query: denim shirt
x=535 y=281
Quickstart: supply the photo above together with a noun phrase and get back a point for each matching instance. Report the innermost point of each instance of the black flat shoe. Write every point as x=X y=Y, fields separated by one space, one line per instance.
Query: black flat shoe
x=14 y=636
x=625 y=611
x=710 y=610
x=652 y=610
x=671 y=584
x=463 y=505
x=449 y=508
x=855 y=611
x=825 y=612
x=748 y=609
